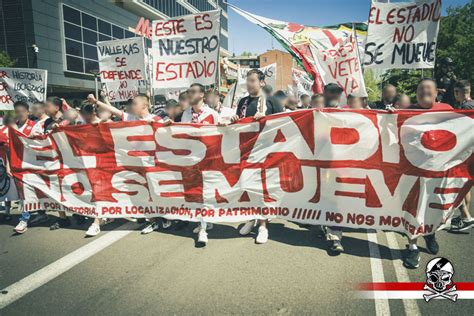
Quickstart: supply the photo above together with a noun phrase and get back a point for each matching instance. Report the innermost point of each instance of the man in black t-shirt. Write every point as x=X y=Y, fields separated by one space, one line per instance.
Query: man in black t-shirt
x=389 y=92
x=256 y=105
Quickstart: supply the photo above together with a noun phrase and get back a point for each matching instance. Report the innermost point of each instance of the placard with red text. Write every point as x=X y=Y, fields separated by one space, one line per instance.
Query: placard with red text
x=186 y=50
x=122 y=67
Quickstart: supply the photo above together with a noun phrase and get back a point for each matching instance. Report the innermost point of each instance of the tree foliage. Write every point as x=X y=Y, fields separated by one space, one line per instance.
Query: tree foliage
x=372 y=85
x=456 y=39
x=245 y=53
x=406 y=80
x=5 y=60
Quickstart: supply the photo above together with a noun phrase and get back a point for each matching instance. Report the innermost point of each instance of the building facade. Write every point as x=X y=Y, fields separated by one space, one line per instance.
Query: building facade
x=66 y=32
x=284 y=62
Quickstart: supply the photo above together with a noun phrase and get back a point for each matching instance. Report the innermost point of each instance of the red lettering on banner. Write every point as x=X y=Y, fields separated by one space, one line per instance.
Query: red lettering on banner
x=143 y=28
x=5 y=99
x=170 y=27
x=439 y=140
x=344 y=135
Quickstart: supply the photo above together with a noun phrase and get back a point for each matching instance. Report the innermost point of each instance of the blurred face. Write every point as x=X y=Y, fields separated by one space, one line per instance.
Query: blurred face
x=195 y=95
x=51 y=109
x=317 y=103
x=88 y=117
x=254 y=85
x=212 y=100
x=462 y=94
x=332 y=98
x=355 y=103
x=388 y=94
x=305 y=101
x=426 y=94
x=291 y=103
x=403 y=103
x=139 y=106
x=37 y=110
x=21 y=113
x=184 y=103
x=172 y=111
x=71 y=115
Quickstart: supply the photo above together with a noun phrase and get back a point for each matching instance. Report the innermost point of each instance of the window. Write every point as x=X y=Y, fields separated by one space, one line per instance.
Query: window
x=105 y=27
x=73 y=48
x=82 y=31
x=72 y=31
x=117 y=32
x=89 y=21
x=71 y=15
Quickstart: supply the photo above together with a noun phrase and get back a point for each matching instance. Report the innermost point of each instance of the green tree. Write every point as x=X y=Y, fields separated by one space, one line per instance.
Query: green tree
x=372 y=84
x=5 y=60
x=406 y=80
x=456 y=39
x=245 y=53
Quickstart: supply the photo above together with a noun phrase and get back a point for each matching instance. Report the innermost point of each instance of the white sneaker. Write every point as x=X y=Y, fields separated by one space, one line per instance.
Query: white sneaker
x=209 y=226
x=262 y=236
x=202 y=237
x=150 y=228
x=21 y=227
x=93 y=230
x=247 y=228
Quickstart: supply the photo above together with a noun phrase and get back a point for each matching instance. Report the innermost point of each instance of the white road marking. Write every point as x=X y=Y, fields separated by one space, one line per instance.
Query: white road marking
x=33 y=281
x=411 y=307
x=381 y=305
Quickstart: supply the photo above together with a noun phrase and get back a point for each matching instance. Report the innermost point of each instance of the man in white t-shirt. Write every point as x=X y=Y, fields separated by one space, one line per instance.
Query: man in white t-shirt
x=139 y=110
x=198 y=112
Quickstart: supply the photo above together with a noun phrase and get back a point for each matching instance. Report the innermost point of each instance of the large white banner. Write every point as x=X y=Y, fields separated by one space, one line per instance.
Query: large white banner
x=270 y=72
x=122 y=67
x=22 y=84
x=402 y=34
x=186 y=50
x=348 y=168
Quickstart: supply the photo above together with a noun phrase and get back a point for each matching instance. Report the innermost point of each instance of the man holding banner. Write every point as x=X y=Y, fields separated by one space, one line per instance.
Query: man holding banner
x=256 y=105
x=426 y=97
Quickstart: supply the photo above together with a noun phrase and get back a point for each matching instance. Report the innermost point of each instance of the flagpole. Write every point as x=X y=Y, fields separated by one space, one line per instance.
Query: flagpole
x=218 y=72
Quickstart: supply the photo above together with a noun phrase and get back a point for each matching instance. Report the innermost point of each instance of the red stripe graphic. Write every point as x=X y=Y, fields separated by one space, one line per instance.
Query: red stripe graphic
x=408 y=286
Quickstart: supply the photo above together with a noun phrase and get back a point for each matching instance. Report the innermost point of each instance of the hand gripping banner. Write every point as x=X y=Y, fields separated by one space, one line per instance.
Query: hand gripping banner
x=402 y=171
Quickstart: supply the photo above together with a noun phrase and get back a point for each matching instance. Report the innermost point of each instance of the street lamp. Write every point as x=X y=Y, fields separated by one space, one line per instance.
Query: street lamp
x=95 y=72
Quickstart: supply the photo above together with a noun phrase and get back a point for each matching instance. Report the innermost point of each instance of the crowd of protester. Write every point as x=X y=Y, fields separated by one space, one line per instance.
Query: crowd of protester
x=198 y=105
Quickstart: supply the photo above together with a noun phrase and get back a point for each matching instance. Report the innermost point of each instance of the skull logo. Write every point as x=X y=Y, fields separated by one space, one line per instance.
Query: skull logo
x=439 y=274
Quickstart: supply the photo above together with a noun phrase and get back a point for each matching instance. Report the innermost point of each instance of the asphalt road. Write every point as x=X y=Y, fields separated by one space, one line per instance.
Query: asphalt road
x=120 y=272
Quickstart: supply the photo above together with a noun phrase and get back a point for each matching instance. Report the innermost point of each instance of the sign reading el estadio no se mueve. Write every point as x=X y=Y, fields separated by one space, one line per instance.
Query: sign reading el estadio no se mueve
x=185 y=50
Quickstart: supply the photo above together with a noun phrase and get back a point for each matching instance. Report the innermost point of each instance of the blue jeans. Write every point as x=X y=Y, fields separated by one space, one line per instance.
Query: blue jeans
x=25 y=216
